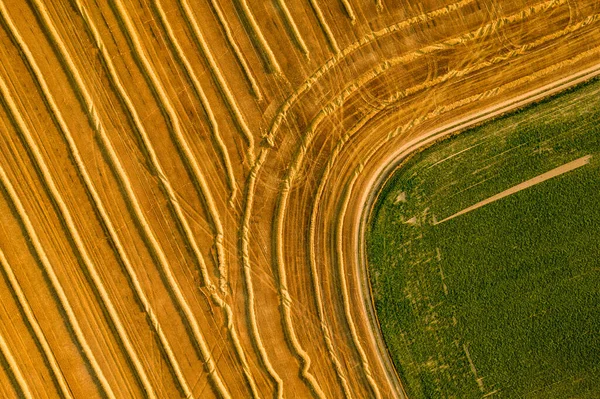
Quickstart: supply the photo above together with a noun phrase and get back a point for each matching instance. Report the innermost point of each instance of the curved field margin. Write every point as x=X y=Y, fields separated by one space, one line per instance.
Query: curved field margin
x=184 y=184
x=488 y=343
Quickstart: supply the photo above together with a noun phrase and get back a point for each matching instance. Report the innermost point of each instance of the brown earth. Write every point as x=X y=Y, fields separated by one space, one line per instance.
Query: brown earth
x=183 y=183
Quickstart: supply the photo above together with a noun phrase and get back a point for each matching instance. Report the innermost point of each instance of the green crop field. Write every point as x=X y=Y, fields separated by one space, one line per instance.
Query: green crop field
x=502 y=300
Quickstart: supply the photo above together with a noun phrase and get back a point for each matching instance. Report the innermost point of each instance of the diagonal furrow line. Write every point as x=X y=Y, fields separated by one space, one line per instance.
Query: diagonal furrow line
x=175 y=206
x=83 y=257
x=174 y=126
x=205 y=192
x=212 y=121
x=348 y=10
x=258 y=40
x=150 y=239
x=292 y=28
x=35 y=328
x=13 y=366
x=57 y=287
x=236 y=50
x=325 y=26
x=218 y=78
x=99 y=208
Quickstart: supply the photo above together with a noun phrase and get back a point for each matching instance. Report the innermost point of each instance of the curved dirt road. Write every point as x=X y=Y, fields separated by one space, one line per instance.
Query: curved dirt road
x=183 y=183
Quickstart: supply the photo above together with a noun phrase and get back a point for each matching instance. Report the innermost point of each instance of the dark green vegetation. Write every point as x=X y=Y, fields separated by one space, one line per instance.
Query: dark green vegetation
x=503 y=301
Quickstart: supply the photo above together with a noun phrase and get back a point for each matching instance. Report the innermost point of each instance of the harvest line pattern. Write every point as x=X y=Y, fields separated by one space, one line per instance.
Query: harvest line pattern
x=260 y=310
x=107 y=224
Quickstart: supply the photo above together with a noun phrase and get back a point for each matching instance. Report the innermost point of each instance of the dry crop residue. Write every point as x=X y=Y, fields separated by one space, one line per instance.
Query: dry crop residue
x=183 y=183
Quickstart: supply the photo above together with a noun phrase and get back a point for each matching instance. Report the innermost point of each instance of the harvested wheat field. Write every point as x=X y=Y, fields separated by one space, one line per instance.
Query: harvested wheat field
x=184 y=183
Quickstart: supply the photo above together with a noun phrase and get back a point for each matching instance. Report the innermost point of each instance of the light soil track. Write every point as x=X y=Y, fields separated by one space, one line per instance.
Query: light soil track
x=184 y=183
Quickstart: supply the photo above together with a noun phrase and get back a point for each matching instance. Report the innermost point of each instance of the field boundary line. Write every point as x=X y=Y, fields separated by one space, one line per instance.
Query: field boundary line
x=392 y=162
x=297 y=161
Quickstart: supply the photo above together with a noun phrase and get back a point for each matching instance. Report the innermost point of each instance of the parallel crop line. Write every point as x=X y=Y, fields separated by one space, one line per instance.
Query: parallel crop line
x=13 y=367
x=285 y=300
x=454 y=42
x=258 y=40
x=83 y=257
x=284 y=296
x=345 y=299
x=218 y=78
x=292 y=28
x=99 y=206
x=176 y=208
x=174 y=126
x=35 y=328
x=215 y=221
x=249 y=285
x=325 y=26
x=212 y=121
x=42 y=258
x=94 y=119
x=236 y=50
x=483 y=31
x=349 y=11
x=313 y=261
x=492 y=92
x=343 y=380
